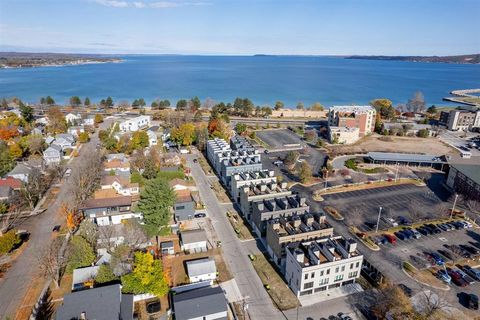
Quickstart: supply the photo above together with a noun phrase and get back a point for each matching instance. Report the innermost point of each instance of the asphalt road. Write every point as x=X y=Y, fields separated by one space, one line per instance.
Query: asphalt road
x=235 y=253
x=17 y=280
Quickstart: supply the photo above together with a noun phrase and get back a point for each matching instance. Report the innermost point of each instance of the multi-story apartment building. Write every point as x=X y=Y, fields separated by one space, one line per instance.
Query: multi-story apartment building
x=284 y=230
x=320 y=265
x=250 y=178
x=135 y=124
x=361 y=117
x=465 y=179
x=259 y=192
x=267 y=209
x=460 y=119
x=228 y=162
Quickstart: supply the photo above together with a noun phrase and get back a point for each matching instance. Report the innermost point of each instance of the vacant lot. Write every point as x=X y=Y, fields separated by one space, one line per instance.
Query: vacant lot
x=398 y=144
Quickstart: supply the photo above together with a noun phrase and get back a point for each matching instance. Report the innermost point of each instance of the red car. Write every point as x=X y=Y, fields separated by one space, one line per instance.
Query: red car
x=390 y=238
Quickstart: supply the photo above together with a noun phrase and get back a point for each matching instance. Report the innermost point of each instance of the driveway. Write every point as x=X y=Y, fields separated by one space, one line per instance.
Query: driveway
x=235 y=254
x=17 y=280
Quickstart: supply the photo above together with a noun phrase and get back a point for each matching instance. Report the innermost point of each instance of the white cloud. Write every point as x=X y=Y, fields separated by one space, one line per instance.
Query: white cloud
x=139 y=5
x=164 y=4
x=113 y=3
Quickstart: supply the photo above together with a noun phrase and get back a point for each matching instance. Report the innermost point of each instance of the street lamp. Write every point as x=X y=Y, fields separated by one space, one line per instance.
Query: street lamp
x=378 y=219
x=454 y=203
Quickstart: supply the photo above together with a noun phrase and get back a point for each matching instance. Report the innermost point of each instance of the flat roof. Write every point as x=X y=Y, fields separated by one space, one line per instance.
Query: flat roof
x=201 y=267
x=404 y=157
x=472 y=171
x=352 y=108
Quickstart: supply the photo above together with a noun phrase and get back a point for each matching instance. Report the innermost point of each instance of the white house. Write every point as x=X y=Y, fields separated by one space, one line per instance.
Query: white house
x=64 y=140
x=109 y=211
x=76 y=130
x=194 y=240
x=135 y=124
x=73 y=118
x=83 y=277
x=53 y=155
x=90 y=121
x=120 y=185
x=152 y=138
x=201 y=270
x=42 y=121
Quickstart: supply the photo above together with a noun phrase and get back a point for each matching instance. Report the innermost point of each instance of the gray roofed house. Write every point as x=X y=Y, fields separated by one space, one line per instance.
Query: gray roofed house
x=53 y=154
x=201 y=270
x=194 y=240
x=5 y=193
x=203 y=303
x=167 y=247
x=22 y=169
x=104 y=303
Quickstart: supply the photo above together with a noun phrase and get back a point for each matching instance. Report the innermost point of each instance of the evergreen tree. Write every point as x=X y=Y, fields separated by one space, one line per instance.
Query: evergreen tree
x=87 y=101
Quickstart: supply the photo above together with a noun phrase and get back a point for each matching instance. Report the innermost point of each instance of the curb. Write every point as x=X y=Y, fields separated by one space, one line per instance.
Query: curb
x=425 y=284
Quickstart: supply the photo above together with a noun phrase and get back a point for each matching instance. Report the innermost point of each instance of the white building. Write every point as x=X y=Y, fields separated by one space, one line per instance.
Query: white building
x=53 y=155
x=109 y=211
x=250 y=178
x=321 y=265
x=343 y=135
x=152 y=138
x=120 y=184
x=201 y=270
x=73 y=118
x=194 y=240
x=135 y=124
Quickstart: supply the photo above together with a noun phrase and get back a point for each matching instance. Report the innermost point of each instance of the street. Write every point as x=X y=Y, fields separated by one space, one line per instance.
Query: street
x=18 y=278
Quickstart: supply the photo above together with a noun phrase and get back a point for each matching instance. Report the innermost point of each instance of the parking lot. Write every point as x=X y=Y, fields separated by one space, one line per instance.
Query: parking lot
x=410 y=201
x=280 y=139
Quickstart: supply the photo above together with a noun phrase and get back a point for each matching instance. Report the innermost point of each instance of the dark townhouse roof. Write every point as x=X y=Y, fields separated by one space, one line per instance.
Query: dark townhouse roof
x=199 y=303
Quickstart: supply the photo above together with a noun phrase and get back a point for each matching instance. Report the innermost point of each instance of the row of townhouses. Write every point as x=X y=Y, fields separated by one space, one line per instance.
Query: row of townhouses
x=302 y=243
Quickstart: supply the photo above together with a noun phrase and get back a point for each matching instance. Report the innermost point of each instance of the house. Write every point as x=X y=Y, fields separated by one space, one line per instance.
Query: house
x=49 y=140
x=73 y=118
x=103 y=303
x=53 y=155
x=194 y=240
x=201 y=270
x=120 y=184
x=42 y=121
x=171 y=159
x=76 y=130
x=152 y=138
x=103 y=257
x=135 y=124
x=178 y=184
x=184 y=207
x=117 y=165
x=11 y=182
x=5 y=193
x=38 y=131
x=167 y=248
x=22 y=170
x=64 y=140
x=109 y=211
x=204 y=303
x=90 y=121
x=83 y=277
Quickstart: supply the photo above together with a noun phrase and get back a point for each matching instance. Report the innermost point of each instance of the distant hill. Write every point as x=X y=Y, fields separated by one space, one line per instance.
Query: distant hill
x=29 y=60
x=467 y=58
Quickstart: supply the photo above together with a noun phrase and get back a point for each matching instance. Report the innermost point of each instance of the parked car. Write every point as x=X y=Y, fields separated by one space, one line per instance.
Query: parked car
x=56 y=228
x=380 y=240
x=408 y=292
x=472 y=301
x=343 y=316
x=438 y=260
x=390 y=238
x=400 y=235
x=456 y=278
x=444 y=227
x=465 y=276
x=67 y=173
x=470 y=249
x=416 y=234
x=404 y=221
x=390 y=221
x=423 y=231
x=200 y=215
x=474 y=273
x=466 y=223
x=443 y=275
x=447 y=254
x=278 y=163
x=371 y=225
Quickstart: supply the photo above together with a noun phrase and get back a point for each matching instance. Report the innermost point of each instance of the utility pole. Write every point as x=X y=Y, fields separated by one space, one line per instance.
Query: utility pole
x=378 y=219
x=326 y=179
x=454 y=203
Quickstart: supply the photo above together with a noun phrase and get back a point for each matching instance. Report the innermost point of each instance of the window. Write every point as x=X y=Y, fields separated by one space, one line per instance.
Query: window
x=321 y=273
x=338 y=277
x=306 y=276
x=343 y=268
x=323 y=281
x=351 y=265
x=312 y=275
x=308 y=285
x=358 y=264
x=328 y=271
x=353 y=274
x=179 y=207
x=336 y=269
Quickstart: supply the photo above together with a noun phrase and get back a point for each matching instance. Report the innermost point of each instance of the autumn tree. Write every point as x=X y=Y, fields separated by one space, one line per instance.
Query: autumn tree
x=417 y=103
x=241 y=128
x=6 y=161
x=305 y=172
x=15 y=151
x=384 y=108
x=217 y=128
x=139 y=140
x=291 y=158
x=194 y=104
x=156 y=199
x=201 y=134
x=390 y=299
x=8 y=241
x=146 y=277
x=83 y=137
x=35 y=144
x=98 y=118
x=317 y=106
x=56 y=121
x=183 y=135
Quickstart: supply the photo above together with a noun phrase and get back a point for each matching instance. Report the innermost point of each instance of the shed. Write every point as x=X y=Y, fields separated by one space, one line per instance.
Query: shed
x=194 y=240
x=201 y=270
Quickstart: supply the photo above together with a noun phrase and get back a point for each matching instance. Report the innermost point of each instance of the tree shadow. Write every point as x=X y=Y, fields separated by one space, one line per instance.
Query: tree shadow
x=45 y=308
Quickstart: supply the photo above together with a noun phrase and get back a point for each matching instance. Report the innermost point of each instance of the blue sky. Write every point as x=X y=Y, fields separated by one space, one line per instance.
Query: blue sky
x=317 y=27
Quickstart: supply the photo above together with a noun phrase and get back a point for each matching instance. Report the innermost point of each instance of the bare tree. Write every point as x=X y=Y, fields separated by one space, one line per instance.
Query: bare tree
x=431 y=305
x=10 y=219
x=134 y=234
x=33 y=190
x=35 y=144
x=474 y=207
x=86 y=176
x=107 y=236
x=354 y=216
x=89 y=231
x=52 y=260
